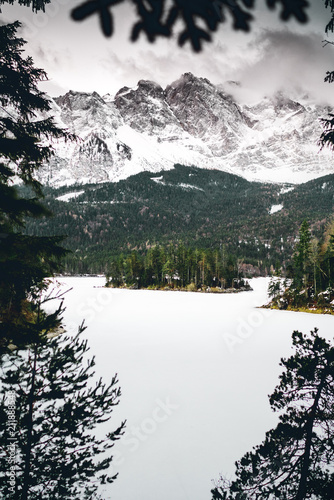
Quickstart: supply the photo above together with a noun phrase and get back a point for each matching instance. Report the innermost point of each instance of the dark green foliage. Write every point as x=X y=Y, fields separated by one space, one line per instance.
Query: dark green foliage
x=176 y=267
x=327 y=137
x=25 y=144
x=302 y=254
x=57 y=409
x=275 y=288
x=56 y=406
x=22 y=127
x=203 y=208
x=328 y=264
x=219 y=210
x=295 y=461
x=310 y=275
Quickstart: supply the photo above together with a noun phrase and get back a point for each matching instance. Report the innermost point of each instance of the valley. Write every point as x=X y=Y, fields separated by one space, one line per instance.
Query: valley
x=257 y=223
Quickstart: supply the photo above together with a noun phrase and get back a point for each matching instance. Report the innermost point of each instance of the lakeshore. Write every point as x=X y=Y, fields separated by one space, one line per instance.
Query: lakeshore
x=215 y=290
x=310 y=310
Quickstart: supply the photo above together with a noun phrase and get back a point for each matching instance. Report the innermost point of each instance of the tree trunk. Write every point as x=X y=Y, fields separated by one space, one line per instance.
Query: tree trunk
x=26 y=473
x=302 y=487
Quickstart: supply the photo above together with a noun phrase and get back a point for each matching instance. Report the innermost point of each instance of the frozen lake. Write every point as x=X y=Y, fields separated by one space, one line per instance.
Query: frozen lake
x=195 y=371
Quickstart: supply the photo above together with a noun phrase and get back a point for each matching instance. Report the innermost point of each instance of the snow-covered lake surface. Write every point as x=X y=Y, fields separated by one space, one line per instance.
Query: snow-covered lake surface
x=195 y=371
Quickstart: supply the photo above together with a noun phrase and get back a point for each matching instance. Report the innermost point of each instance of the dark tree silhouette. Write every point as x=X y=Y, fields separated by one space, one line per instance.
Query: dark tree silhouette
x=42 y=371
x=26 y=136
x=158 y=17
x=56 y=408
x=295 y=461
x=327 y=136
x=36 y=5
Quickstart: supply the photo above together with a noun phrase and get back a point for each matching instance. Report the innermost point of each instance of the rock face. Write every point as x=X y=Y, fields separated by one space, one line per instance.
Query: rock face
x=192 y=122
x=206 y=113
x=145 y=109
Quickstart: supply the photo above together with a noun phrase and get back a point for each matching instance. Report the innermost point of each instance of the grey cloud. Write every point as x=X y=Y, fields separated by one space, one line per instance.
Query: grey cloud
x=48 y=57
x=288 y=60
x=165 y=66
x=82 y=59
x=271 y=61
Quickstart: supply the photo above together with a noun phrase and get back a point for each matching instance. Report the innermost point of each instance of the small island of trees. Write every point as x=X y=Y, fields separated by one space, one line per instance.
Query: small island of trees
x=178 y=268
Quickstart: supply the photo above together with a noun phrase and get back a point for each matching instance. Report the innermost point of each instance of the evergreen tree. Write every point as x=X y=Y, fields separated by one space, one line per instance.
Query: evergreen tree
x=115 y=272
x=314 y=257
x=55 y=454
x=133 y=270
x=36 y=5
x=178 y=266
x=275 y=288
x=327 y=137
x=295 y=461
x=328 y=257
x=169 y=267
x=181 y=258
x=56 y=407
x=157 y=256
x=26 y=137
x=302 y=254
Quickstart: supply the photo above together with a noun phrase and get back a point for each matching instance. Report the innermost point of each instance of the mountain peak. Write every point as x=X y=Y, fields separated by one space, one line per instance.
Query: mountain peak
x=191 y=122
x=150 y=88
x=189 y=78
x=78 y=100
x=283 y=101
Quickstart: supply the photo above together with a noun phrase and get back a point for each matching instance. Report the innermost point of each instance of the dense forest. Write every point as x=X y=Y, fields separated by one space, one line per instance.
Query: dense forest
x=197 y=208
x=309 y=278
x=178 y=268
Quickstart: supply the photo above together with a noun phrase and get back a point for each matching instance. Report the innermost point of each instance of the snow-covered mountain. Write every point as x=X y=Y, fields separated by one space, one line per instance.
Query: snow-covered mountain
x=191 y=122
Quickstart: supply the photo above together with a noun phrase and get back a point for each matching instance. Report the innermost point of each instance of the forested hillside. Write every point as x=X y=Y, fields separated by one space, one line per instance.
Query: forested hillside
x=253 y=221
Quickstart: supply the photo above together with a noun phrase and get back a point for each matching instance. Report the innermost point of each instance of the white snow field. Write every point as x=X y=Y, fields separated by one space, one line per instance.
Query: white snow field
x=195 y=371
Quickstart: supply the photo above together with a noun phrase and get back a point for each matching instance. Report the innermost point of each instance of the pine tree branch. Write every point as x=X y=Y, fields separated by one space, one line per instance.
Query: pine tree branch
x=159 y=17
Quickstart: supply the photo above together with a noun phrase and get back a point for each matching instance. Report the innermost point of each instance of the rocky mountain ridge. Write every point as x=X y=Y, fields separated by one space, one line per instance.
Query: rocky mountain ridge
x=191 y=122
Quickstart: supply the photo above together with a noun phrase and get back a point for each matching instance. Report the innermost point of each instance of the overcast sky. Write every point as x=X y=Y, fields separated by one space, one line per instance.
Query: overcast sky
x=273 y=56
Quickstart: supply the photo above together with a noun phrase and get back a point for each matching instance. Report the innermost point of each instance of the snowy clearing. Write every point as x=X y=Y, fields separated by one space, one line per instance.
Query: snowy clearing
x=69 y=196
x=275 y=208
x=286 y=190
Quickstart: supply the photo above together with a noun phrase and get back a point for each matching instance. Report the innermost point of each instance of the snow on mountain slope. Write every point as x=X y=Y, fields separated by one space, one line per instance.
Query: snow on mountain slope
x=207 y=113
x=191 y=122
x=283 y=142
